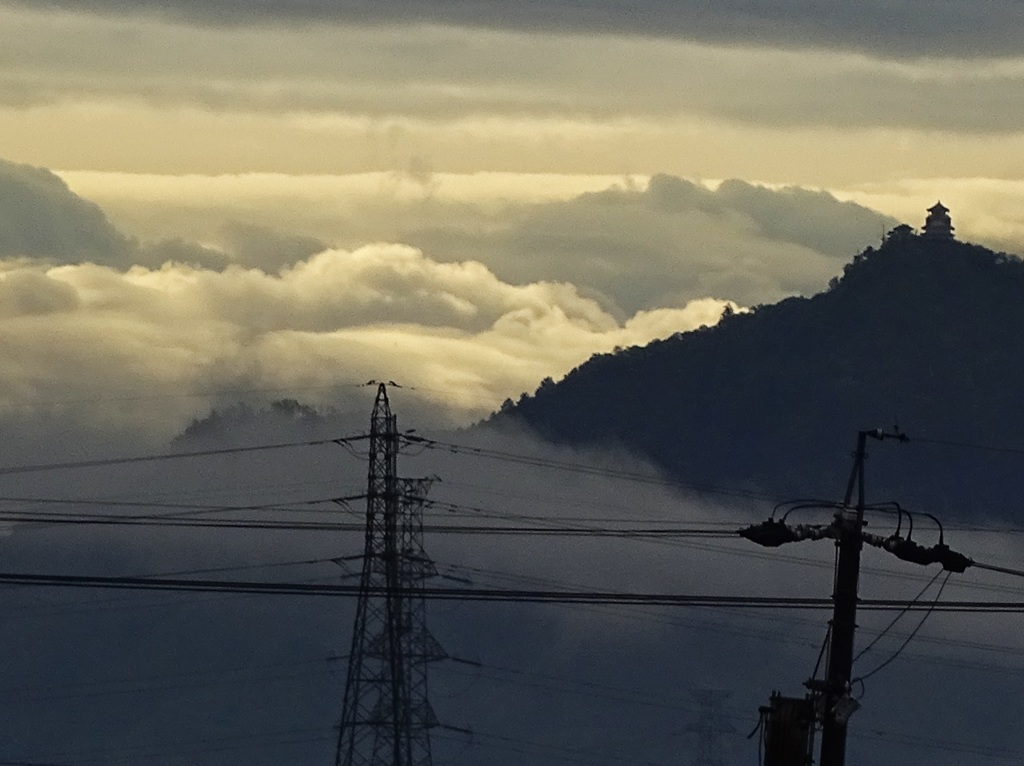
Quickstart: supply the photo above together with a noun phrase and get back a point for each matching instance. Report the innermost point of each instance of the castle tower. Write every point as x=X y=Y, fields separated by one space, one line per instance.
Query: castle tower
x=938 y=224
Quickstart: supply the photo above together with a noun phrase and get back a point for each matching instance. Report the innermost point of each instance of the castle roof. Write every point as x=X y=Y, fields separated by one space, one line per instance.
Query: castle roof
x=938 y=224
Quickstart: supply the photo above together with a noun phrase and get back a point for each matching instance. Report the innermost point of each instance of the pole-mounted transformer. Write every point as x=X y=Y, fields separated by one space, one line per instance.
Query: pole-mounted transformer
x=787 y=726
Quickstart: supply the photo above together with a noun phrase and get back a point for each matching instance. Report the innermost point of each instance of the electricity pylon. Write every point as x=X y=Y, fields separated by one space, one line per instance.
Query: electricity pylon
x=386 y=716
x=710 y=727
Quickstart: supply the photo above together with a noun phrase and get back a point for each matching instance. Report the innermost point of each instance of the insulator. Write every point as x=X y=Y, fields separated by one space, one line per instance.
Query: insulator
x=910 y=551
x=770 y=534
x=951 y=560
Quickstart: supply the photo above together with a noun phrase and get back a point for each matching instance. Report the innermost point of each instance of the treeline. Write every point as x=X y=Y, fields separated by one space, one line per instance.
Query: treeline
x=927 y=335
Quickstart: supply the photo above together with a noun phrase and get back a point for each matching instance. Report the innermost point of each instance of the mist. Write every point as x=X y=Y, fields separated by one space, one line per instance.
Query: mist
x=124 y=676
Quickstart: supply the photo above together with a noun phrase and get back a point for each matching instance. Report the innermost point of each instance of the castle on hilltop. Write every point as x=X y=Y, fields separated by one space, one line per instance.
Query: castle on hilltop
x=938 y=224
x=938 y=227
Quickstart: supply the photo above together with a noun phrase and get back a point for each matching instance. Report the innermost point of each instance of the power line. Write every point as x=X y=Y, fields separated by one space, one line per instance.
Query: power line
x=1001 y=570
x=705 y=625
x=450 y=509
x=271 y=524
x=909 y=638
x=201 y=394
x=970 y=445
x=183 y=512
x=672 y=535
x=1001 y=530
x=38 y=468
x=189 y=508
x=881 y=634
x=613 y=473
x=498 y=595
x=581 y=468
x=574 y=686
x=124 y=602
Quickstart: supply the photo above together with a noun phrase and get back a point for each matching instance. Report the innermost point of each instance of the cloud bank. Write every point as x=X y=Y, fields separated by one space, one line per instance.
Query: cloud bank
x=41 y=218
x=633 y=244
x=154 y=95
x=675 y=240
x=907 y=28
x=444 y=75
x=86 y=334
x=101 y=327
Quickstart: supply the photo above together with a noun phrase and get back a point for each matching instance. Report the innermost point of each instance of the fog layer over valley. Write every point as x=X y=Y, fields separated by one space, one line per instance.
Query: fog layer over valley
x=222 y=678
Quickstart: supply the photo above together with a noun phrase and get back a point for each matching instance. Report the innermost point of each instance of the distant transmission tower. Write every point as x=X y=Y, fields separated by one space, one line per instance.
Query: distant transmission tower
x=386 y=717
x=710 y=727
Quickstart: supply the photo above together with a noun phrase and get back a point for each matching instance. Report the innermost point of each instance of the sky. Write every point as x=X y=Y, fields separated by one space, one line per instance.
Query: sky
x=211 y=201
x=464 y=197
x=176 y=679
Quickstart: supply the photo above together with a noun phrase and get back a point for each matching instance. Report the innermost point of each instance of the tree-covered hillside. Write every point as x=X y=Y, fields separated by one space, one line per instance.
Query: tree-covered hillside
x=927 y=334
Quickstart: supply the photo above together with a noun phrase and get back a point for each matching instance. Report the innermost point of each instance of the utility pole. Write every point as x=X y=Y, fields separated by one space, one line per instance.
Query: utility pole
x=830 y=698
x=850 y=524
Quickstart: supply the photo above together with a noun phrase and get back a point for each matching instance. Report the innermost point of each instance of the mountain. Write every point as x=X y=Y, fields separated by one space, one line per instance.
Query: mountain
x=923 y=332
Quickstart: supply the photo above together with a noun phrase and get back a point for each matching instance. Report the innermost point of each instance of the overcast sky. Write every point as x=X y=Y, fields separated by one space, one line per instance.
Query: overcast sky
x=468 y=196
x=203 y=201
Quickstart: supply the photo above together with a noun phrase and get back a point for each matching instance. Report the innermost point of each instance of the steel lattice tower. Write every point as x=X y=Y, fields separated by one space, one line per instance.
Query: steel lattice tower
x=710 y=726
x=386 y=716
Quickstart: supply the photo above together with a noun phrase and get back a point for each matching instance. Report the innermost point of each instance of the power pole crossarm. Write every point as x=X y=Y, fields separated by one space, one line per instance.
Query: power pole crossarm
x=831 y=696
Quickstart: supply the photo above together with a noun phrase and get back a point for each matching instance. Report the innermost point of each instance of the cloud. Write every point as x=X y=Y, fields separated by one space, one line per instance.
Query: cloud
x=147 y=94
x=903 y=29
x=631 y=243
x=265 y=248
x=179 y=250
x=983 y=209
x=81 y=339
x=814 y=219
x=41 y=218
x=673 y=240
x=505 y=294
x=29 y=293
x=448 y=75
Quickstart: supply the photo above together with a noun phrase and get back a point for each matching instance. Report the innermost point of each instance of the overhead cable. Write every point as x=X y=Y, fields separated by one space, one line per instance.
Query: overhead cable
x=910 y=637
x=38 y=468
x=328 y=526
x=580 y=468
x=498 y=595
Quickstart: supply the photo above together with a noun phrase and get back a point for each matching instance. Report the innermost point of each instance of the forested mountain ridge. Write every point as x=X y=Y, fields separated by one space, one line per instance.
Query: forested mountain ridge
x=925 y=333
